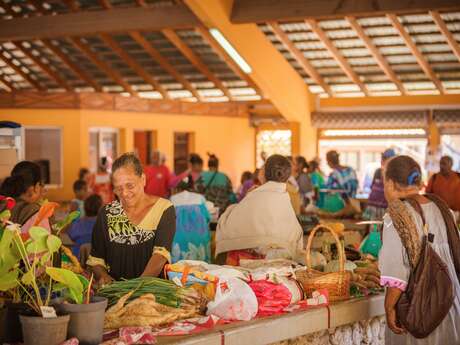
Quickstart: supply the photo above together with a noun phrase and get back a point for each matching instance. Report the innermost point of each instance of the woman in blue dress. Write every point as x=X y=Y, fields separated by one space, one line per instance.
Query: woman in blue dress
x=192 y=240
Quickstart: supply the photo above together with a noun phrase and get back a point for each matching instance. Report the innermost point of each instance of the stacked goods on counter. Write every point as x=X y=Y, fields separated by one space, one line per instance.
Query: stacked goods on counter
x=144 y=311
x=367 y=274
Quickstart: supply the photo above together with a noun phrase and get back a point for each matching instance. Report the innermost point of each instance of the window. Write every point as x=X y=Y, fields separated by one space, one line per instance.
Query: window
x=273 y=142
x=44 y=146
x=364 y=154
x=103 y=142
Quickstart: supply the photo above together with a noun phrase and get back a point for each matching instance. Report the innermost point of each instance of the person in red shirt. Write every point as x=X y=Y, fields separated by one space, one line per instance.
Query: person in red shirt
x=157 y=176
x=101 y=184
x=446 y=184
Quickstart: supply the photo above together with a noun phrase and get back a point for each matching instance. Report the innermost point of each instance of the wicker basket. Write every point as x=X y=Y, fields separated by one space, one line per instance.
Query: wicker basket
x=337 y=283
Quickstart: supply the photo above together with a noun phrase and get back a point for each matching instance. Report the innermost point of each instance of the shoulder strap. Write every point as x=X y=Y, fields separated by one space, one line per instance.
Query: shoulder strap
x=453 y=235
x=416 y=206
x=210 y=181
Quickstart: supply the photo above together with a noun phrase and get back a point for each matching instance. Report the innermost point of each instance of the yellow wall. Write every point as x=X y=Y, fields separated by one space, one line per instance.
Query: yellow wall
x=231 y=139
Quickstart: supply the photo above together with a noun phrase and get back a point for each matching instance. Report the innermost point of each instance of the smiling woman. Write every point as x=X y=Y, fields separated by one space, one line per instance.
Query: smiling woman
x=133 y=235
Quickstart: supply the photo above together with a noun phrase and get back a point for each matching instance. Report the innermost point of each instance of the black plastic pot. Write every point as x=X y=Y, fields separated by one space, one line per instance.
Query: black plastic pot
x=86 y=320
x=10 y=324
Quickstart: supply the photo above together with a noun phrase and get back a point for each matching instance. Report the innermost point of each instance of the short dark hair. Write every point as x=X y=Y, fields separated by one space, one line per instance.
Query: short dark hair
x=449 y=158
x=128 y=159
x=82 y=172
x=277 y=168
x=92 y=205
x=213 y=161
x=333 y=157
x=301 y=162
x=195 y=159
x=313 y=164
x=404 y=170
x=24 y=175
x=246 y=175
x=79 y=185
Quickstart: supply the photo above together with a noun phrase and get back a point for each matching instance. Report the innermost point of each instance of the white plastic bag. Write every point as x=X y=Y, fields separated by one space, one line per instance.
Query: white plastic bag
x=234 y=300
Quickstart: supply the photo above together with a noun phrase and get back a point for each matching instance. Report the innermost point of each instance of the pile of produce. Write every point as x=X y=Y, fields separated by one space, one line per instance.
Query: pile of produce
x=367 y=274
x=143 y=311
x=166 y=293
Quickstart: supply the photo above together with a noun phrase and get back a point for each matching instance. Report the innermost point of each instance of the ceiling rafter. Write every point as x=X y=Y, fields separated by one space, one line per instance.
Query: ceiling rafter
x=82 y=23
x=334 y=51
x=79 y=72
x=53 y=75
x=203 y=31
x=23 y=74
x=194 y=59
x=379 y=58
x=446 y=32
x=102 y=65
x=6 y=84
x=131 y=62
x=300 y=58
x=165 y=64
x=417 y=54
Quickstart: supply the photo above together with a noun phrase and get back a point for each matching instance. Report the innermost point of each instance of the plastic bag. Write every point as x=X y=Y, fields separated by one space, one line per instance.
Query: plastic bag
x=234 y=300
x=372 y=243
x=272 y=298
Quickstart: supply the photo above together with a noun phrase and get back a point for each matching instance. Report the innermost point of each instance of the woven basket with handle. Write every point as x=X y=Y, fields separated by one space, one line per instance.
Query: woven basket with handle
x=337 y=283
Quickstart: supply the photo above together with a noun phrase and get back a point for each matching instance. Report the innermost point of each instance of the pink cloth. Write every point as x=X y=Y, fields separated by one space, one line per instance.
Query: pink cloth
x=158 y=180
x=393 y=282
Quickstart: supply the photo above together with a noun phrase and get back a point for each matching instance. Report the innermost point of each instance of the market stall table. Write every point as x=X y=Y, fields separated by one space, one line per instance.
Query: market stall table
x=274 y=329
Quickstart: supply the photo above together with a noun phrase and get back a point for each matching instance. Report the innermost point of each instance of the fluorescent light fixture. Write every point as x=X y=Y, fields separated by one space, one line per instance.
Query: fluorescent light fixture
x=372 y=132
x=230 y=50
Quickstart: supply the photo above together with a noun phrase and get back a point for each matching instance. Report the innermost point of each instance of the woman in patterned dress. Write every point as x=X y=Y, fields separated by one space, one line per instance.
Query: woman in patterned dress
x=133 y=235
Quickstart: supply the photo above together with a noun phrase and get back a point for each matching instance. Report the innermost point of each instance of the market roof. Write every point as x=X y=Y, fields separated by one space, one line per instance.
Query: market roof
x=175 y=57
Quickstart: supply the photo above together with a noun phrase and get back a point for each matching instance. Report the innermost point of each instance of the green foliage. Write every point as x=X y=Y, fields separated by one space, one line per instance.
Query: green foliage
x=70 y=280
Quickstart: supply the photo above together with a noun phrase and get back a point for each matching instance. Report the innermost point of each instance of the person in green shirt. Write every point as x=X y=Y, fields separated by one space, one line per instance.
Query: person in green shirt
x=216 y=186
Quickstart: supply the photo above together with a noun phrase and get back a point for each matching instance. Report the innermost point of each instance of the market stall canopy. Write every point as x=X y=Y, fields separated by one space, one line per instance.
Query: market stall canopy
x=160 y=49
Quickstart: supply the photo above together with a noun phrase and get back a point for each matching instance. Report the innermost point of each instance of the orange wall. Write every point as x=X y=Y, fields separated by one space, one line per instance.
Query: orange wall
x=231 y=139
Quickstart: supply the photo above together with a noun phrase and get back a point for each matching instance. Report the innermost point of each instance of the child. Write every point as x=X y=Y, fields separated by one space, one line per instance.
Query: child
x=82 y=230
x=80 y=189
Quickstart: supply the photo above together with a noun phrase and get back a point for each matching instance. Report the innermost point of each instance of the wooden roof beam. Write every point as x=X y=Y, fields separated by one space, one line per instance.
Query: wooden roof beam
x=447 y=34
x=102 y=65
x=83 y=23
x=5 y=84
x=131 y=62
x=343 y=63
x=195 y=60
x=379 y=58
x=53 y=75
x=418 y=55
x=262 y=11
x=165 y=64
x=79 y=72
x=73 y=5
x=23 y=74
x=300 y=58
x=224 y=56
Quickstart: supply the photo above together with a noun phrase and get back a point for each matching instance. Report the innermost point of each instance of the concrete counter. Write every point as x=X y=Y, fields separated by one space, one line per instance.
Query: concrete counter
x=288 y=326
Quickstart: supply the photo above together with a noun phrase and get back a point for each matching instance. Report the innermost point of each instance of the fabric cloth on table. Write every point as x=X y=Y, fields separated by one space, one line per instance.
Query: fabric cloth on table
x=395 y=271
x=344 y=179
x=192 y=240
x=158 y=179
x=447 y=188
x=263 y=218
x=81 y=232
x=124 y=248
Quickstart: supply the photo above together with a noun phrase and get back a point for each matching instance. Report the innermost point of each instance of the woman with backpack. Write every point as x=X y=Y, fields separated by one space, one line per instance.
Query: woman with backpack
x=419 y=261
